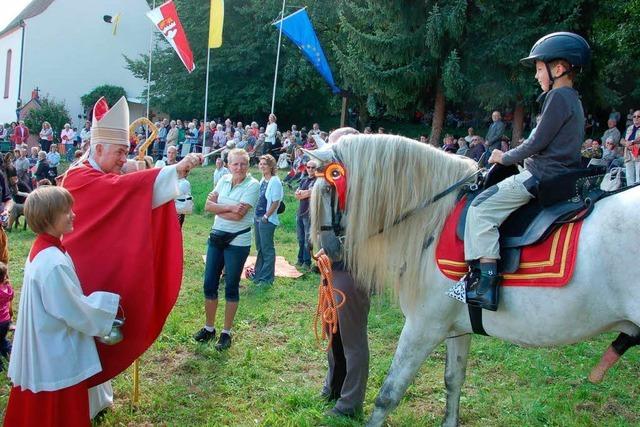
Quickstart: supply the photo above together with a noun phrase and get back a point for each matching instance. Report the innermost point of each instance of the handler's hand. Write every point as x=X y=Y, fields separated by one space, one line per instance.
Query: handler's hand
x=496 y=157
x=189 y=162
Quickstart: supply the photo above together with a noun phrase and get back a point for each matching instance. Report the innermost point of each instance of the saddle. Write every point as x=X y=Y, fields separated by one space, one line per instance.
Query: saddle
x=568 y=198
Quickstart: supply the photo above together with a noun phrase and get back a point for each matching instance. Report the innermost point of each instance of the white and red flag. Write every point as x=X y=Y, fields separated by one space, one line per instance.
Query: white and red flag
x=165 y=18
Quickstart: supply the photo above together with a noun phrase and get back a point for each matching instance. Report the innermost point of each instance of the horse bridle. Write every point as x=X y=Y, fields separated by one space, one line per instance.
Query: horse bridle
x=336 y=216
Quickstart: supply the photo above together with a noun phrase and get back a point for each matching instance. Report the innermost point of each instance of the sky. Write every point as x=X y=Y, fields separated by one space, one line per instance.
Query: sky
x=10 y=9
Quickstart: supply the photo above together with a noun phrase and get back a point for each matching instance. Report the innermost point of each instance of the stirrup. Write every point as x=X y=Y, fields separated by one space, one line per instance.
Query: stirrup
x=459 y=290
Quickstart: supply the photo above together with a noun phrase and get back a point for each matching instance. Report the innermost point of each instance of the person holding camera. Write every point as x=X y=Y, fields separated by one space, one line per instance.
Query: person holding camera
x=232 y=201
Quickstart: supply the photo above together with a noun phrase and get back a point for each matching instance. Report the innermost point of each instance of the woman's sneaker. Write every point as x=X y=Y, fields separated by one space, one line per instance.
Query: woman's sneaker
x=224 y=342
x=203 y=335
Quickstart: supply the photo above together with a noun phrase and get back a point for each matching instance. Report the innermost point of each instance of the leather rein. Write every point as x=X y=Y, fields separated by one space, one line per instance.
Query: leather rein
x=336 y=214
x=455 y=186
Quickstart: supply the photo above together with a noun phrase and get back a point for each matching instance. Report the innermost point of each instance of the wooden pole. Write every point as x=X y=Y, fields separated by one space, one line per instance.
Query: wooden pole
x=343 y=114
x=135 y=395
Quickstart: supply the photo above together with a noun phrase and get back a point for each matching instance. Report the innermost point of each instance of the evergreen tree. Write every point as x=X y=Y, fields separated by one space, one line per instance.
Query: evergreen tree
x=616 y=43
x=400 y=54
x=493 y=51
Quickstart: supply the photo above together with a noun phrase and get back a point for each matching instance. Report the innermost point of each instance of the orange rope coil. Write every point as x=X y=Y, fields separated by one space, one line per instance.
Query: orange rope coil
x=327 y=309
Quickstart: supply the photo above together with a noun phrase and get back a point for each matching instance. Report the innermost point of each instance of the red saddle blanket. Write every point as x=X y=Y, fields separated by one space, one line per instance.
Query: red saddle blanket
x=547 y=263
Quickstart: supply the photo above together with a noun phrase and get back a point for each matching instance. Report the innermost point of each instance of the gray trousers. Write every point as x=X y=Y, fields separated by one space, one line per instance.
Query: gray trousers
x=489 y=210
x=266 y=258
x=348 y=356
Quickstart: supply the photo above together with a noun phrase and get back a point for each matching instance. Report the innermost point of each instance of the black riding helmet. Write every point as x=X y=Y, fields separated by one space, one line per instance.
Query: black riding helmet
x=562 y=45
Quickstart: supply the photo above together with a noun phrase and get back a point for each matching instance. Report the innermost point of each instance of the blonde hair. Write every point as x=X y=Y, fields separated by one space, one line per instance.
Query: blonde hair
x=271 y=162
x=238 y=152
x=44 y=205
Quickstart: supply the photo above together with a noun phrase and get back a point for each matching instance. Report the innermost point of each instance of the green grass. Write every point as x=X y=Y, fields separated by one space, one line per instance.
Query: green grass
x=272 y=374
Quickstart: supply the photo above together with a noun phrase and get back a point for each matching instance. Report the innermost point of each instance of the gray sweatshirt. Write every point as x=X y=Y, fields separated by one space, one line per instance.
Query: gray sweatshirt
x=555 y=147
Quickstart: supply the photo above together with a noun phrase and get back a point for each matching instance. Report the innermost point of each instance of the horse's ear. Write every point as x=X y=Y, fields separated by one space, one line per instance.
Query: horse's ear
x=323 y=156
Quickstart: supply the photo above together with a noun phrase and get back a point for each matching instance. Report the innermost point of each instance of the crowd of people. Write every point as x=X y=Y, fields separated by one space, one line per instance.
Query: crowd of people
x=612 y=149
x=242 y=205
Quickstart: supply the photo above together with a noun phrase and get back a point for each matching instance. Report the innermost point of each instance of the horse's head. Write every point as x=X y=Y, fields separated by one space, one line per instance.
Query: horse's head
x=389 y=194
x=328 y=200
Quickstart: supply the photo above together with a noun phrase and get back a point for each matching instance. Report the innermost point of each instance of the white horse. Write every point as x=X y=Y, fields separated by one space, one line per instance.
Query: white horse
x=388 y=177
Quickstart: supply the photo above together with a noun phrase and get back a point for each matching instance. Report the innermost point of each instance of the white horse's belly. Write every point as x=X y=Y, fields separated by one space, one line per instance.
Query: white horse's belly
x=604 y=292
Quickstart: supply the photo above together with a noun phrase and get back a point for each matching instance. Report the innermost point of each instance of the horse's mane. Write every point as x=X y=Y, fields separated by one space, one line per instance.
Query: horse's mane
x=387 y=177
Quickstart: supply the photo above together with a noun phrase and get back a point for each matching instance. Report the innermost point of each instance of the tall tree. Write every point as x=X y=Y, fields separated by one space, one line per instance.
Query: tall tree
x=493 y=49
x=397 y=55
x=445 y=31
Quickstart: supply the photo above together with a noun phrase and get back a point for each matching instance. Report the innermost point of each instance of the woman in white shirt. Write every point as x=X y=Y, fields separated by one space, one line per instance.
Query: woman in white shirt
x=232 y=201
x=67 y=135
x=271 y=195
x=270 y=134
x=46 y=137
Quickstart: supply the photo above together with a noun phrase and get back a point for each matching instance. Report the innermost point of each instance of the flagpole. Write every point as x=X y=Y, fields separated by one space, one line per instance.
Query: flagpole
x=275 y=77
x=206 y=98
x=149 y=72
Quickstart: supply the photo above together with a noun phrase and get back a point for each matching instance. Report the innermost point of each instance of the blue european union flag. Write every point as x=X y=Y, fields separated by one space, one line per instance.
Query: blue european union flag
x=299 y=29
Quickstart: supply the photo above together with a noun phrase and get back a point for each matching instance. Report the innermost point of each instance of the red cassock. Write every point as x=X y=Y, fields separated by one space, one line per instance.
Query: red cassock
x=121 y=245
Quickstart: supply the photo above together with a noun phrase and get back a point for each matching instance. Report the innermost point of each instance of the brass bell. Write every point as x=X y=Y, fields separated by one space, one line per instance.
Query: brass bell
x=115 y=335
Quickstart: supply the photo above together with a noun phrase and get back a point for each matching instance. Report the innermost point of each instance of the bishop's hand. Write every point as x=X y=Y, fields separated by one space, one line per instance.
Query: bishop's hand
x=189 y=162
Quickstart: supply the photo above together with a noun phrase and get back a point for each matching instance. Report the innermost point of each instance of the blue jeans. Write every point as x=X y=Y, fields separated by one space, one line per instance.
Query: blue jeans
x=266 y=259
x=302 y=229
x=232 y=259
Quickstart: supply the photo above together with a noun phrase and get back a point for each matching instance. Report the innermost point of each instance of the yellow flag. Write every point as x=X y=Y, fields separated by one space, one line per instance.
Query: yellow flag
x=216 y=18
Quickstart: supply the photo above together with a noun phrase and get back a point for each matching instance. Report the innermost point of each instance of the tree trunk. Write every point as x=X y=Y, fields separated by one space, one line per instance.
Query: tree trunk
x=438 y=117
x=363 y=114
x=517 y=125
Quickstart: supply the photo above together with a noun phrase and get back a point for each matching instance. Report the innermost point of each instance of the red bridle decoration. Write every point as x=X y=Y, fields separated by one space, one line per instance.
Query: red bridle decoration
x=336 y=175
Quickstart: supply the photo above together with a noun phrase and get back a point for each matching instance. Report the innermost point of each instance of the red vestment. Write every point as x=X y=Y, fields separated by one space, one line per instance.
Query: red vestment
x=121 y=245
x=68 y=407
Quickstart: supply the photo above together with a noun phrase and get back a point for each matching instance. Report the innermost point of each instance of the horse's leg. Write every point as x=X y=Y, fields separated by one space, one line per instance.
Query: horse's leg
x=415 y=344
x=615 y=351
x=454 y=374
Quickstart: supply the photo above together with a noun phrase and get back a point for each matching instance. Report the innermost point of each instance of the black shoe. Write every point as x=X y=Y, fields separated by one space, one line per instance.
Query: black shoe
x=335 y=412
x=329 y=396
x=203 y=335
x=224 y=342
x=482 y=291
